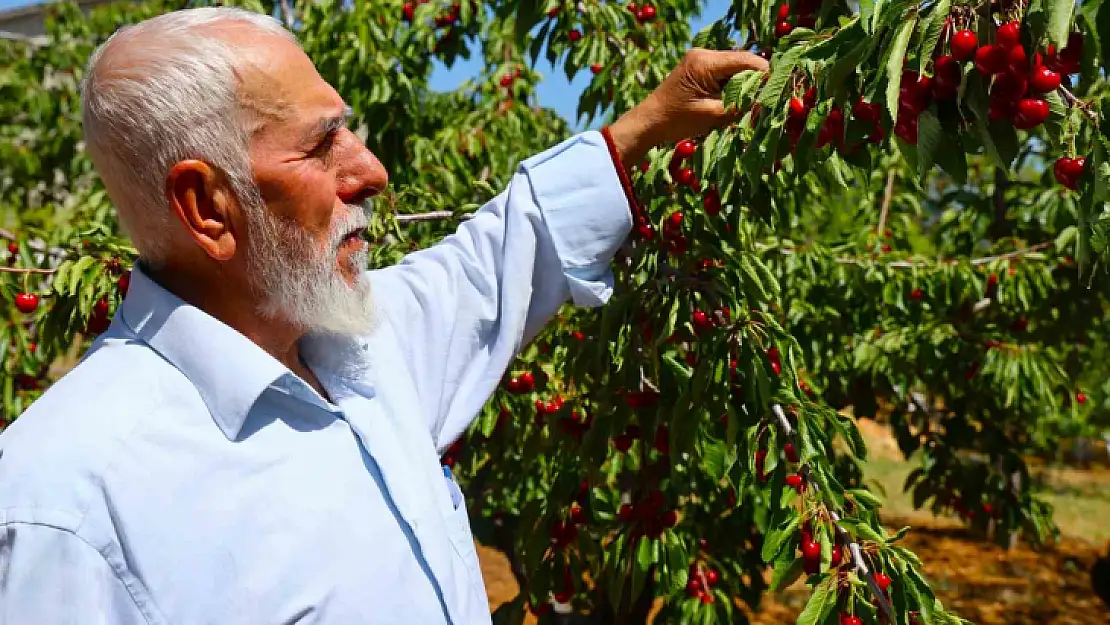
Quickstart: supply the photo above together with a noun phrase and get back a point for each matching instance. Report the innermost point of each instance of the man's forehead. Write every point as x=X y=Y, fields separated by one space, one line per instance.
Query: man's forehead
x=280 y=83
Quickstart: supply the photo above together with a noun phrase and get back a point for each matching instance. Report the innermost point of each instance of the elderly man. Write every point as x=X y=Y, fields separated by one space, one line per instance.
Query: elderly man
x=256 y=437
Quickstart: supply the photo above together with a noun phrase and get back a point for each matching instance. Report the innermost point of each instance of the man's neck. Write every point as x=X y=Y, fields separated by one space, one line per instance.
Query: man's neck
x=229 y=305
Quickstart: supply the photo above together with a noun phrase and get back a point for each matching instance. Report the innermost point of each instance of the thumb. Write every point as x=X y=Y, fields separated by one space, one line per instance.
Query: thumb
x=724 y=64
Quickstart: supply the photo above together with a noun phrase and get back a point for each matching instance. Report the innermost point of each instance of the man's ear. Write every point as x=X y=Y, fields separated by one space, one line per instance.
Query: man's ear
x=202 y=199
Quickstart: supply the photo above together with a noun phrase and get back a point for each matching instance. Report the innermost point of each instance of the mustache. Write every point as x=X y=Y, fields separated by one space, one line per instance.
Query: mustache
x=357 y=219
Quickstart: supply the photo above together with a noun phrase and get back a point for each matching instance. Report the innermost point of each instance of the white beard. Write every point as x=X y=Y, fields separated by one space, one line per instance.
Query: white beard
x=302 y=284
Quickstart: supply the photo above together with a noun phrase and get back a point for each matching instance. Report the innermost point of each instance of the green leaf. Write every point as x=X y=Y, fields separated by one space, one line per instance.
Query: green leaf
x=931 y=35
x=1059 y=21
x=778 y=536
x=930 y=138
x=677 y=560
x=787 y=571
x=821 y=602
x=864 y=497
x=718 y=459
x=894 y=65
x=771 y=96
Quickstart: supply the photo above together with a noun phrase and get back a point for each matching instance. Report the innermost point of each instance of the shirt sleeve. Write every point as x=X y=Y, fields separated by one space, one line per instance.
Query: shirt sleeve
x=462 y=309
x=51 y=576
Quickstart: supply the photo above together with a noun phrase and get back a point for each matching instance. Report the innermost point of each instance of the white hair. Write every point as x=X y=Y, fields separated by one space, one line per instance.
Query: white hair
x=172 y=95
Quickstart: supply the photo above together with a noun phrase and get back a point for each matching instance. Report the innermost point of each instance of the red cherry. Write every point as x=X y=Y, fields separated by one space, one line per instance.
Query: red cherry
x=712 y=577
x=596 y=68
x=1009 y=86
x=528 y=380
x=947 y=72
x=685 y=148
x=574 y=35
x=674 y=222
x=669 y=518
x=633 y=8
x=783 y=29
x=811 y=550
x=964 y=43
x=796 y=482
x=906 y=130
x=1008 y=35
x=564 y=596
x=706 y=597
x=712 y=201
x=1044 y=80
x=1030 y=113
x=883 y=580
x=797 y=109
x=506 y=80
x=791 y=452
x=577 y=514
x=26 y=302
x=837 y=556
x=124 y=283
x=407 y=11
x=1020 y=324
x=626 y=513
x=647 y=13
x=685 y=177
x=553 y=12
x=1018 y=62
x=849 y=619
x=1081 y=397
x=867 y=111
x=784 y=11
x=701 y=321
x=13 y=248
x=693 y=587
x=990 y=60
x=810 y=97
x=917 y=294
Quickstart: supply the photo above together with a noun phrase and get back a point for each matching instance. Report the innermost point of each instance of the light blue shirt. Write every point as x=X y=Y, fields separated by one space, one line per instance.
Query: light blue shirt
x=181 y=475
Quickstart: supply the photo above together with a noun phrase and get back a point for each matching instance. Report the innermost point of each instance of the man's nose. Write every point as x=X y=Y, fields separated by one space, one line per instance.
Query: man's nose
x=361 y=175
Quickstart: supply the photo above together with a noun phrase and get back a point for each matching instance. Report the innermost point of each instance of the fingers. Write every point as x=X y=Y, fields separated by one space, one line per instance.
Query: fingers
x=724 y=64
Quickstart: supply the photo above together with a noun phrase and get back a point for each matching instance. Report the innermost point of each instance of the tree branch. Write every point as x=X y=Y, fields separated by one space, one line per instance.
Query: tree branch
x=26 y=270
x=907 y=264
x=887 y=193
x=429 y=216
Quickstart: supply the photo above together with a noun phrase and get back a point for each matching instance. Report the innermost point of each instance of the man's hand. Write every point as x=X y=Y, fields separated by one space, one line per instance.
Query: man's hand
x=686 y=104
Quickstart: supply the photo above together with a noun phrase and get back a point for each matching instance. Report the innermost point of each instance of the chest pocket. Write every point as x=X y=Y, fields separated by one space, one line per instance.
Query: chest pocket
x=458 y=525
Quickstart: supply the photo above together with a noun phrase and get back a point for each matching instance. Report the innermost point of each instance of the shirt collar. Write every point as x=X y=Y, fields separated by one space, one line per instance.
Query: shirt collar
x=227 y=368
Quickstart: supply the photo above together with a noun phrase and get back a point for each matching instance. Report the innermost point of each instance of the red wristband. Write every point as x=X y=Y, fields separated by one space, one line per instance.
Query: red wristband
x=622 y=173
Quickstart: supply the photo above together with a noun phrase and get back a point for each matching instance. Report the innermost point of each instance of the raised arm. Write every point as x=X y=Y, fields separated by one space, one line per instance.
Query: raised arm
x=462 y=308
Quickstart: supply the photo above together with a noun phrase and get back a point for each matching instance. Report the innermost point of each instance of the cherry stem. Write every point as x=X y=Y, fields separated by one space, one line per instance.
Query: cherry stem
x=1076 y=102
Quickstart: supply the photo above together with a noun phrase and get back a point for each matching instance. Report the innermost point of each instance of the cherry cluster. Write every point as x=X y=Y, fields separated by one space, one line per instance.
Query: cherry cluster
x=802 y=14
x=700 y=582
x=644 y=13
x=648 y=516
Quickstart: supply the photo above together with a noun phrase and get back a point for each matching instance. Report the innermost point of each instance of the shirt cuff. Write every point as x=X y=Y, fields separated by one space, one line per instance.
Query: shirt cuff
x=586 y=208
x=622 y=173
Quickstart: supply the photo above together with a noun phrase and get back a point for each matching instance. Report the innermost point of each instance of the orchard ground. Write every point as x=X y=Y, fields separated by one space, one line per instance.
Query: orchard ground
x=980 y=581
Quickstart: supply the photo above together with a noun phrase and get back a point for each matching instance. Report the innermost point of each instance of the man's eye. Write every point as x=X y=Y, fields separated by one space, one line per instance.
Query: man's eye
x=324 y=147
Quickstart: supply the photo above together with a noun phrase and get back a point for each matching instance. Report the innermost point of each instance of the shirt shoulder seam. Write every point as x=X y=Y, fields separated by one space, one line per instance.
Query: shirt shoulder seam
x=107 y=561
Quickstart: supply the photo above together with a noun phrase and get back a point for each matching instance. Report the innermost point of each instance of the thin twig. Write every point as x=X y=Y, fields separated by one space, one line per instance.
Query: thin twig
x=1074 y=101
x=429 y=216
x=26 y=270
x=906 y=264
x=887 y=193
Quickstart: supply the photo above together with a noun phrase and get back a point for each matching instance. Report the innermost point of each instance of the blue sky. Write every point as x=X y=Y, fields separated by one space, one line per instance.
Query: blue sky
x=555 y=91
